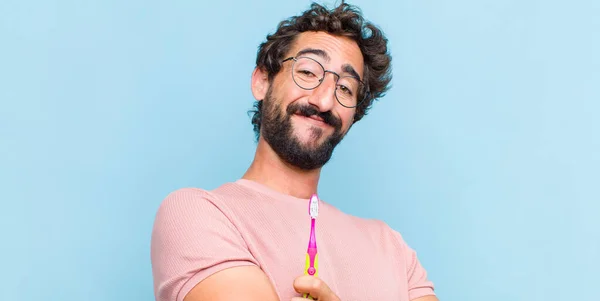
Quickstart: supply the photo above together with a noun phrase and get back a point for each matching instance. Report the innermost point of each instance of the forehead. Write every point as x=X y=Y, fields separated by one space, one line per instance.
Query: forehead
x=340 y=50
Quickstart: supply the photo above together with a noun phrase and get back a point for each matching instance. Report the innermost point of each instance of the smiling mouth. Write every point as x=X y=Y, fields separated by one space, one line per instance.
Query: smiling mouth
x=314 y=119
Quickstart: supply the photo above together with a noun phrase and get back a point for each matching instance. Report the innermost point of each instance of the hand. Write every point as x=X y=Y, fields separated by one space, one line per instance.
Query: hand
x=315 y=287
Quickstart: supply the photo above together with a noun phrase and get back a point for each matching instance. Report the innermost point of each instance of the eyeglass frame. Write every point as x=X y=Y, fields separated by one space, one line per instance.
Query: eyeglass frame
x=325 y=71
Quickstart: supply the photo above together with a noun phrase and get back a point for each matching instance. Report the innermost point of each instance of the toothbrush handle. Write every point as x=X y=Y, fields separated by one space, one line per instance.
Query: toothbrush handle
x=312 y=266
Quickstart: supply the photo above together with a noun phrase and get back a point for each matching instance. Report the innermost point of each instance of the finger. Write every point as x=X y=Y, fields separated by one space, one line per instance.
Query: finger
x=300 y=299
x=315 y=287
x=302 y=284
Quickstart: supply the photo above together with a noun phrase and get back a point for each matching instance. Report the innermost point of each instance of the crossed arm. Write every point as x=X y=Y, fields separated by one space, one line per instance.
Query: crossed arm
x=188 y=217
x=251 y=284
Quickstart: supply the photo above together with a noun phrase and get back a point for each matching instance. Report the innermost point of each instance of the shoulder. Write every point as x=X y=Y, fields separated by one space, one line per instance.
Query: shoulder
x=184 y=195
x=381 y=232
x=190 y=198
x=375 y=228
x=183 y=199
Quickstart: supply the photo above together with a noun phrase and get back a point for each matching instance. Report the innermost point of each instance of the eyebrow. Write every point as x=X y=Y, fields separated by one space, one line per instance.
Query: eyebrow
x=319 y=52
x=349 y=69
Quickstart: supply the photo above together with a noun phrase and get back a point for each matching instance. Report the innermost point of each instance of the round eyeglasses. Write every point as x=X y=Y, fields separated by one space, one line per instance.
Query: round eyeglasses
x=308 y=74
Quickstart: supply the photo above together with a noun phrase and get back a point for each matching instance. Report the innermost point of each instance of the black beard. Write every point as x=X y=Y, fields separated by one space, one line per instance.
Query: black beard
x=276 y=128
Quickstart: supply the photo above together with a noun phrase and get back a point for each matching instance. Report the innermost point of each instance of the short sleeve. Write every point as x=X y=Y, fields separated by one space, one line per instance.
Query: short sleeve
x=418 y=283
x=192 y=238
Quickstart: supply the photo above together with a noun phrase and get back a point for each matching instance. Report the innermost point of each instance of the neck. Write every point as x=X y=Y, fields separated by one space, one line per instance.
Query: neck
x=268 y=169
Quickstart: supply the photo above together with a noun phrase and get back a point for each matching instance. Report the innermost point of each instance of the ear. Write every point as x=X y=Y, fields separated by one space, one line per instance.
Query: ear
x=260 y=83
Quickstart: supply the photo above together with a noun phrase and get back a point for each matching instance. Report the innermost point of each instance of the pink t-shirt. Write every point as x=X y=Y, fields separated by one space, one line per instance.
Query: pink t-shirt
x=199 y=232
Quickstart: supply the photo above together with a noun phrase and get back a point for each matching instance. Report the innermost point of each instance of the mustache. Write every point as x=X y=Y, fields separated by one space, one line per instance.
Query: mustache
x=310 y=110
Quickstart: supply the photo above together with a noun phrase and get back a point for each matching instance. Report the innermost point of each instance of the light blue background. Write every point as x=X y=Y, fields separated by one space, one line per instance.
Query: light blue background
x=485 y=154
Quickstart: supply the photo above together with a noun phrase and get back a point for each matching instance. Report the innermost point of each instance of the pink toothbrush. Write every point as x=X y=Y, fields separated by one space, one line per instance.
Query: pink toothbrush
x=312 y=258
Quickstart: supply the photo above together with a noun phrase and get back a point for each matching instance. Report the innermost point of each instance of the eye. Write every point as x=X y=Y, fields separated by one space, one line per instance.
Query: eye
x=306 y=73
x=345 y=90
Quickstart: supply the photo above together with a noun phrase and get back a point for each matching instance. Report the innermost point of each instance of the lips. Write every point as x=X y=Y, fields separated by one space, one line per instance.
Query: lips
x=313 y=117
x=311 y=112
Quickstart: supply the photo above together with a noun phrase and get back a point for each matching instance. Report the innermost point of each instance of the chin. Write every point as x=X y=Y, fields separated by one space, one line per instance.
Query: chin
x=311 y=137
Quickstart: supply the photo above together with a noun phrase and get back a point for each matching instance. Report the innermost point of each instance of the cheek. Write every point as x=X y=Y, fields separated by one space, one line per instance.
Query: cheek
x=347 y=118
x=287 y=90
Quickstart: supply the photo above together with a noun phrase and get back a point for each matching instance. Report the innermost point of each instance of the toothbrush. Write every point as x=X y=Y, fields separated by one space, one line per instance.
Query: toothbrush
x=312 y=258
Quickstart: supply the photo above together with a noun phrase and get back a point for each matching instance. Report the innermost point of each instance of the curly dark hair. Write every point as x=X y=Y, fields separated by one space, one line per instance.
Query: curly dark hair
x=345 y=20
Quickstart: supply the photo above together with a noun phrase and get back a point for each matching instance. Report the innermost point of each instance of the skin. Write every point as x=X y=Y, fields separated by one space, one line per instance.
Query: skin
x=267 y=168
x=250 y=283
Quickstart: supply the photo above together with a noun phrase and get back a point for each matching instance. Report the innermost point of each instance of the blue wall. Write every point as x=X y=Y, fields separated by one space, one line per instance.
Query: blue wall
x=485 y=154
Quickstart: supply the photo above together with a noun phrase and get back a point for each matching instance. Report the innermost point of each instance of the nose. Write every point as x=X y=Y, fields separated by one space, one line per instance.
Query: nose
x=323 y=96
